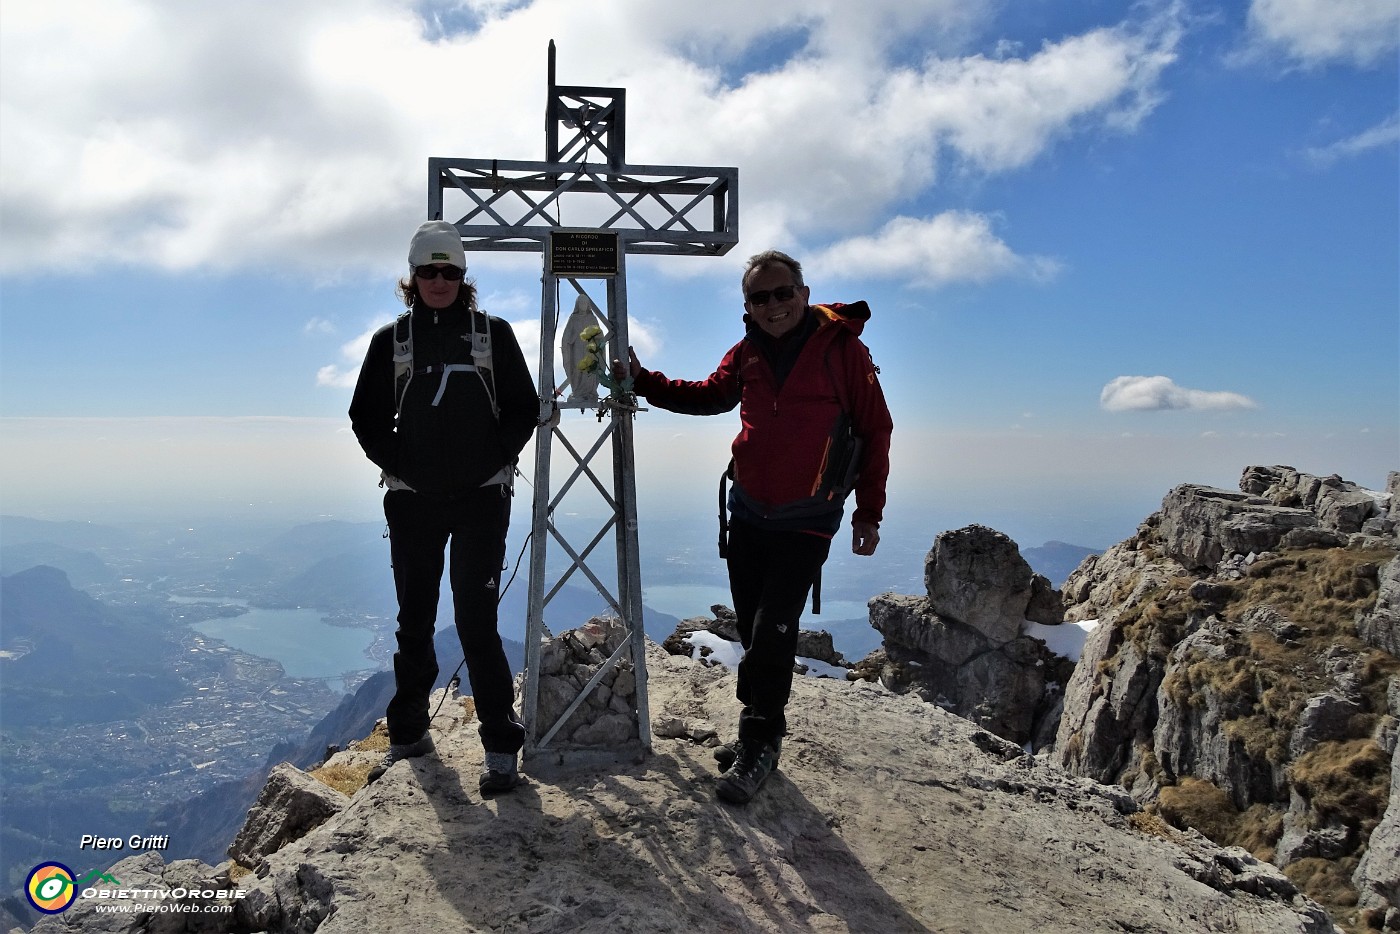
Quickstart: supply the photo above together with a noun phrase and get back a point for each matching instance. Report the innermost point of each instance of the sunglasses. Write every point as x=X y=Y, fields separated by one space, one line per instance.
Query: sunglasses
x=450 y=273
x=781 y=294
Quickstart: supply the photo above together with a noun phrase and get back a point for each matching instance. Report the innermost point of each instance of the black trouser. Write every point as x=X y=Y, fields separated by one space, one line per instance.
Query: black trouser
x=770 y=576
x=420 y=528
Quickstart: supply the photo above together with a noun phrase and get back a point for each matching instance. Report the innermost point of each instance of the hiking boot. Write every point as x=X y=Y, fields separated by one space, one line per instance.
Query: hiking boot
x=751 y=767
x=422 y=747
x=725 y=755
x=501 y=774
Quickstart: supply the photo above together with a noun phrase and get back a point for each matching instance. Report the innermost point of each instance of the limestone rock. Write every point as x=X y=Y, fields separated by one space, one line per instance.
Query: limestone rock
x=291 y=804
x=1201 y=525
x=976 y=575
x=910 y=623
x=1190 y=738
x=1176 y=682
x=607 y=718
x=1324 y=717
x=1381 y=627
x=1377 y=876
x=818 y=645
x=1302 y=839
x=1046 y=605
x=1340 y=506
x=1104 y=716
x=962 y=647
x=1122 y=576
x=1009 y=689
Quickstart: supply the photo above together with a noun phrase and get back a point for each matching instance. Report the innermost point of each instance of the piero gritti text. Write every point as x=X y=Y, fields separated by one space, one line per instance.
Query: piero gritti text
x=134 y=842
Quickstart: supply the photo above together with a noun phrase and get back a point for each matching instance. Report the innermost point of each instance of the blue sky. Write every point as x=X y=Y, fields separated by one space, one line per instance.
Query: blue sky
x=1109 y=248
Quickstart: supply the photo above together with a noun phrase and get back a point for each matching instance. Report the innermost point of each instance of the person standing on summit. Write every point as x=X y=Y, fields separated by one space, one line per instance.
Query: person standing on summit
x=813 y=425
x=443 y=406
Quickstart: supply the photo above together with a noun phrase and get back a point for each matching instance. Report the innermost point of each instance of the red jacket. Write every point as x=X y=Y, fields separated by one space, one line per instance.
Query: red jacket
x=785 y=434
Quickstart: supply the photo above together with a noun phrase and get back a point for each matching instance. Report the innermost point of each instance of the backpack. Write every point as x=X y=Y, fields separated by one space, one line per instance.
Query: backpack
x=404 y=370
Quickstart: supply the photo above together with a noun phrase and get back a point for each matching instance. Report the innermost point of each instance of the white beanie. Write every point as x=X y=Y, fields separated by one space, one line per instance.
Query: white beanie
x=437 y=242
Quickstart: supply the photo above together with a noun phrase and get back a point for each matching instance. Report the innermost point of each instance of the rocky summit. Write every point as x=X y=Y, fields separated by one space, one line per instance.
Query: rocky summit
x=1223 y=758
x=1243 y=677
x=887 y=814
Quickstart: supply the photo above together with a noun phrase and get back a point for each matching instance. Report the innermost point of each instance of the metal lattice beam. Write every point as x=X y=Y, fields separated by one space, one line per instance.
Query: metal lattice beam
x=507 y=205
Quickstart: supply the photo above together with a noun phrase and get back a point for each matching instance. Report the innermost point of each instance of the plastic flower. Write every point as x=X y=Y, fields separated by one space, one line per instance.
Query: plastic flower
x=596 y=346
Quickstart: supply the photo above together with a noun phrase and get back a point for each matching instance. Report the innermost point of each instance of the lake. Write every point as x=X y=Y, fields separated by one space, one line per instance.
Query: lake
x=301 y=641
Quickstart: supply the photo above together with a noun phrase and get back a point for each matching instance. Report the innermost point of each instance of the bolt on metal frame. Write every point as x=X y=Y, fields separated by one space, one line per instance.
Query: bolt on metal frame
x=503 y=205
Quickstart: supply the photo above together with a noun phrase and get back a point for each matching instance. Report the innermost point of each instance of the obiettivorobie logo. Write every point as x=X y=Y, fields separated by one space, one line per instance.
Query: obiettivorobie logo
x=52 y=887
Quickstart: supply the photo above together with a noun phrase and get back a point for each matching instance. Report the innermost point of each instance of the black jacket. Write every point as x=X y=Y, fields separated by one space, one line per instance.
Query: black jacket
x=455 y=446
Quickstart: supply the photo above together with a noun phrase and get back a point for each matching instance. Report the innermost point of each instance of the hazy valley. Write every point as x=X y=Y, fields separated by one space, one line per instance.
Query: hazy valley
x=121 y=703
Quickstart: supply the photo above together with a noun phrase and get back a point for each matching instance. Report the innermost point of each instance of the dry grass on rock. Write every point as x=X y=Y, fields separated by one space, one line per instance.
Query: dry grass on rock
x=1262 y=683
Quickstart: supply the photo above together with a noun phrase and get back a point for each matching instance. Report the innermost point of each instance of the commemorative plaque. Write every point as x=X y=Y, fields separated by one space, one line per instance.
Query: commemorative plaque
x=583 y=254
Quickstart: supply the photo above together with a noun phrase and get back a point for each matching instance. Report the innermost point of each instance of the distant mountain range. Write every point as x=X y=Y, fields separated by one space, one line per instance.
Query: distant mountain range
x=1057 y=560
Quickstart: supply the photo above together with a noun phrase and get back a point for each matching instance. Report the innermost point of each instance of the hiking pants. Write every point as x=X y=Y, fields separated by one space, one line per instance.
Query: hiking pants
x=770 y=576
x=420 y=530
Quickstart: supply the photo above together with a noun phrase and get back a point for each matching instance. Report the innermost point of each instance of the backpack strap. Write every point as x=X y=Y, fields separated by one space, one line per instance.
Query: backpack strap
x=481 y=364
x=838 y=386
x=724 y=479
x=403 y=357
x=481 y=358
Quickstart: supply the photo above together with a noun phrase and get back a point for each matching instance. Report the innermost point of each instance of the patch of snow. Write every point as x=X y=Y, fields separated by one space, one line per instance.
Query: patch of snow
x=817 y=669
x=1066 y=639
x=726 y=653
x=722 y=651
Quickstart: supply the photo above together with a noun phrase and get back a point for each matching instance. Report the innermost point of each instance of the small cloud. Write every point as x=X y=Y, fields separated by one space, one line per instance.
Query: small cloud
x=352 y=353
x=1383 y=135
x=318 y=326
x=1158 y=393
x=510 y=303
x=645 y=337
x=1320 y=32
x=955 y=246
x=336 y=378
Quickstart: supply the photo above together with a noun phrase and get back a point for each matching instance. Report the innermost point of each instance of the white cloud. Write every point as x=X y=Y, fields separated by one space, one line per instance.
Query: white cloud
x=527 y=335
x=1320 y=32
x=185 y=136
x=343 y=375
x=1156 y=393
x=955 y=246
x=1383 y=135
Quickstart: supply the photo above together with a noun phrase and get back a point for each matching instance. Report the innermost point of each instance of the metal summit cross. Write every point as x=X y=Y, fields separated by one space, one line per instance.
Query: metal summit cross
x=615 y=210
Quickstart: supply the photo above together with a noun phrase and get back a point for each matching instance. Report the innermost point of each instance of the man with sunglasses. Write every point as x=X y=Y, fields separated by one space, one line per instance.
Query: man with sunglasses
x=443 y=406
x=813 y=423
